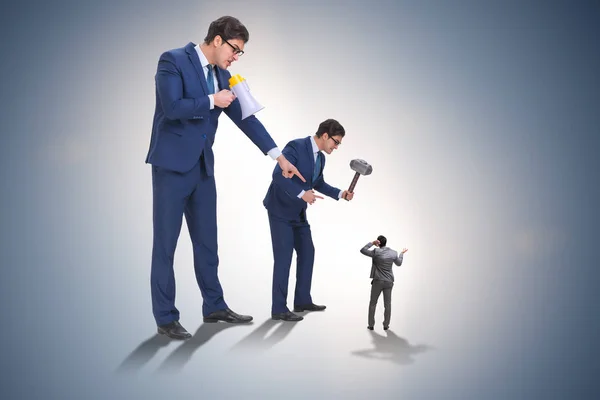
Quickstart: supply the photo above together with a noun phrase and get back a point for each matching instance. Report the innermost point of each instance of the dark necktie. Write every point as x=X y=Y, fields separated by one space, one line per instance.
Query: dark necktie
x=210 y=80
x=317 y=170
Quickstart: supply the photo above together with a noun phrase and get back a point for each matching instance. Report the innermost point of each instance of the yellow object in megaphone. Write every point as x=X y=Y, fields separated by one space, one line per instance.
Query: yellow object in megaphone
x=235 y=79
x=248 y=104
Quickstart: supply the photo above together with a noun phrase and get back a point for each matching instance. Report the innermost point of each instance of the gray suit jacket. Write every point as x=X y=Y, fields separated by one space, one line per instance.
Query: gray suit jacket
x=383 y=260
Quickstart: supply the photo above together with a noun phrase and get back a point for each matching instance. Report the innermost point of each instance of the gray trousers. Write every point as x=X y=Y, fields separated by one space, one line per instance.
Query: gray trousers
x=377 y=287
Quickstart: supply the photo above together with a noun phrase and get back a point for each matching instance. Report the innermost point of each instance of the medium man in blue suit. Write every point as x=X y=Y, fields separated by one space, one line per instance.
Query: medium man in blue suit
x=192 y=88
x=286 y=202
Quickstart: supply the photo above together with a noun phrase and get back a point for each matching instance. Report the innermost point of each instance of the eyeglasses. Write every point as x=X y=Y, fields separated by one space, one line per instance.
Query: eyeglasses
x=236 y=50
x=337 y=142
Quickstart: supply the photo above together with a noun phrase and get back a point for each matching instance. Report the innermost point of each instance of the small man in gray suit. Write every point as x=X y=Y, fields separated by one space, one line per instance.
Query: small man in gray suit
x=383 y=277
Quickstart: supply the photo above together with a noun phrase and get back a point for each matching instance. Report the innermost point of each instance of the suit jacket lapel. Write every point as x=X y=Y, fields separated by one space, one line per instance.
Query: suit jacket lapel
x=195 y=60
x=220 y=79
x=311 y=155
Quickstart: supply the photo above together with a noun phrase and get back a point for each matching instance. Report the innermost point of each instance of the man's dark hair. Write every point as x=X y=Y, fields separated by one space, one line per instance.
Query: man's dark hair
x=382 y=240
x=331 y=127
x=228 y=28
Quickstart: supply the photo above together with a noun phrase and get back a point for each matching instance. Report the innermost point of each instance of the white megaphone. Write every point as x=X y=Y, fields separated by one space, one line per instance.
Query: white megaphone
x=240 y=89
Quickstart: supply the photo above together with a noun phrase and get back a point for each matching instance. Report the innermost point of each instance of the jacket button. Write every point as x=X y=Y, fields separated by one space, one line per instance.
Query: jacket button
x=204 y=136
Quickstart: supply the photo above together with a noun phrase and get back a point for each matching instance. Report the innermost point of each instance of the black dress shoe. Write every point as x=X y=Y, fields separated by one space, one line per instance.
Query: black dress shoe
x=227 y=315
x=370 y=328
x=386 y=327
x=174 y=330
x=309 y=307
x=287 y=316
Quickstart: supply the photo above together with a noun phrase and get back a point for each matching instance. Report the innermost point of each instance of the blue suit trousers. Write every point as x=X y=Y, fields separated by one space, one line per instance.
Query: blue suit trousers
x=287 y=236
x=194 y=195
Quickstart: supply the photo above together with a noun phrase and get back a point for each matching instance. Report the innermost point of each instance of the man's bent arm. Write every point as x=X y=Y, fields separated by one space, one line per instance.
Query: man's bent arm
x=365 y=250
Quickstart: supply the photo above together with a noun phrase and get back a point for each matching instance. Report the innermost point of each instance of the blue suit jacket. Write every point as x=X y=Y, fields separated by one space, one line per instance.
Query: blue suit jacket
x=282 y=197
x=184 y=126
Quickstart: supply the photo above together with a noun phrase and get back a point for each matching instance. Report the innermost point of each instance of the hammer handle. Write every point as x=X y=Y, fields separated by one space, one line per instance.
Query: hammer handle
x=356 y=176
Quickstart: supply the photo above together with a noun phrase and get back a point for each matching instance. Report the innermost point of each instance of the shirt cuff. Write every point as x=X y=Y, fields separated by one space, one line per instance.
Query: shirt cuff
x=301 y=194
x=274 y=153
x=340 y=194
x=211 y=99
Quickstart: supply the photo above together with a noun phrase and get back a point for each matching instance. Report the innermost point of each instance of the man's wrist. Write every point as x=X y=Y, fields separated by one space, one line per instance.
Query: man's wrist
x=274 y=153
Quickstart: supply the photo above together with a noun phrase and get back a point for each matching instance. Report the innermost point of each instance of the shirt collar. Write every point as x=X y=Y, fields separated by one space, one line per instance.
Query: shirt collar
x=203 y=59
x=315 y=148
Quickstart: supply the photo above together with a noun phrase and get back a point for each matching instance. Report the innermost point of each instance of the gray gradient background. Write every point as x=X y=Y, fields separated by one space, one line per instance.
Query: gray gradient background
x=482 y=123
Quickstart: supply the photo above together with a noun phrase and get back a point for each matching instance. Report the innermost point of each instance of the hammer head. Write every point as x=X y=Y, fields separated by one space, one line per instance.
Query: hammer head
x=361 y=166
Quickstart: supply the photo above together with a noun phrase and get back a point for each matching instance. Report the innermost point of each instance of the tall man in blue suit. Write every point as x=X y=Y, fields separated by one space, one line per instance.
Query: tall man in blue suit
x=192 y=88
x=286 y=202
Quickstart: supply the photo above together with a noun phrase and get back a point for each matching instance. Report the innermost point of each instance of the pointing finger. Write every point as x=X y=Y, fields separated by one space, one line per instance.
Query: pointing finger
x=296 y=172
